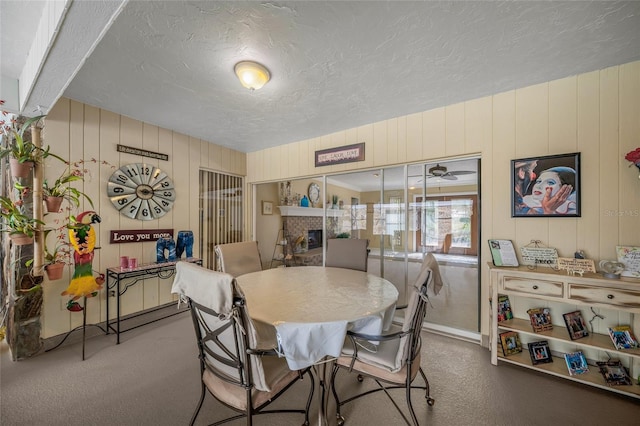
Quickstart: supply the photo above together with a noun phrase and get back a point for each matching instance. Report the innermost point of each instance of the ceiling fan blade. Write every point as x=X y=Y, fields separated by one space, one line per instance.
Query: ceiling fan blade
x=448 y=176
x=460 y=172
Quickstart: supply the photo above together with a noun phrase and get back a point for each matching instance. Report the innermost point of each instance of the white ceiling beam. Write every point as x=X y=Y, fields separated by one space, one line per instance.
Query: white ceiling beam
x=66 y=35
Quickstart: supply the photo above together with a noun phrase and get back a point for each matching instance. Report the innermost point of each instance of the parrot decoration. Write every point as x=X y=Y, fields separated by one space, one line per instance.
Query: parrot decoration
x=83 y=239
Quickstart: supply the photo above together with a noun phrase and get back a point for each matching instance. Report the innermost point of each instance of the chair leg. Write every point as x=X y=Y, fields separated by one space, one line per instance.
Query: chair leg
x=413 y=413
x=195 y=414
x=430 y=401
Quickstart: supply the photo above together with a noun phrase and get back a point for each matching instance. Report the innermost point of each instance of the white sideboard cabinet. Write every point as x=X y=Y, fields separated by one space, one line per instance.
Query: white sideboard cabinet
x=603 y=303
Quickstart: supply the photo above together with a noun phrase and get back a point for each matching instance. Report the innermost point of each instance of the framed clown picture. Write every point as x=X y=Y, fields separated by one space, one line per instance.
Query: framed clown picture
x=546 y=186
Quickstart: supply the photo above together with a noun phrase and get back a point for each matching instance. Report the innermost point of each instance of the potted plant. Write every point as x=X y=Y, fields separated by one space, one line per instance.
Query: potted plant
x=20 y=227
x=60 y=190
x=23 y=154
x=57 y=258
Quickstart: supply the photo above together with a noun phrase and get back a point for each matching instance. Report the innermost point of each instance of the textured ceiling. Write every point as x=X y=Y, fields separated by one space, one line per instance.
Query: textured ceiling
x=335 y=65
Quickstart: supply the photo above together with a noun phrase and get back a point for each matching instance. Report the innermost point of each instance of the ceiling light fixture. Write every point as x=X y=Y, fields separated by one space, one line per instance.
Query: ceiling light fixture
x=252 y=75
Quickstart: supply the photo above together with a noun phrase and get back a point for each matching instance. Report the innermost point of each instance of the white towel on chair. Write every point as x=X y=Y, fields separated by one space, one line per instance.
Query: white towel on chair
x=204 y=286
x=305 y=344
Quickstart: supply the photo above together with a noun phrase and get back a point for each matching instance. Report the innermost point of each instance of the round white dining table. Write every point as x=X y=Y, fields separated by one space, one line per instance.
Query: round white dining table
x=312 y=307
x=315 y=294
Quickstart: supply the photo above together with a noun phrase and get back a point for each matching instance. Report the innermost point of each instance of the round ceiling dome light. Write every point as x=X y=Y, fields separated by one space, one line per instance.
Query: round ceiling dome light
x=252 y=75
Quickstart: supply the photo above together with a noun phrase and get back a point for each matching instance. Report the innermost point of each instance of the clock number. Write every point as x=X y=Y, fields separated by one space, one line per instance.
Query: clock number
x=165 y=184
x=164 y=203
x=145 y=171
x=132 y=172
x=157 y=209
x=123 y=201
x=118 y=189
x=133 y=209
x=122 y=179
x=145 y=212
x=167 y=193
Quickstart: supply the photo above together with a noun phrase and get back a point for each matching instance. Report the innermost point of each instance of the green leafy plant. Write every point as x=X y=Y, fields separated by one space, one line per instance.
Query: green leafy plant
x=17 y=145
x=14 y=219
x=61 y=251
x=61 y=187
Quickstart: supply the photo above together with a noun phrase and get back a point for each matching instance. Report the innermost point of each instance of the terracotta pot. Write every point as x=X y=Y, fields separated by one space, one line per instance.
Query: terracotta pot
x=53 y=204
x=20 y=239
x=54 y=271
x=19 y=169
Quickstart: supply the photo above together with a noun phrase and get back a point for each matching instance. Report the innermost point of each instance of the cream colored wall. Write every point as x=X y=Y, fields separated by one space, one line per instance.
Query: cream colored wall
x=597 y=114
x=77 y=131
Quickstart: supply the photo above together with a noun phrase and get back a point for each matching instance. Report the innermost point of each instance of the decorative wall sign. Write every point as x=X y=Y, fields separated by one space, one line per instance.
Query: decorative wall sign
x=546 y=186
x=143 y=152
x=572 y=264
x=138 y=235
x=339 y=155
x=543 y=256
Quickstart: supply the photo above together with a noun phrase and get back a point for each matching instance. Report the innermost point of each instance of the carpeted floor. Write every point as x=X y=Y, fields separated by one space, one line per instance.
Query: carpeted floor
x=151 y=378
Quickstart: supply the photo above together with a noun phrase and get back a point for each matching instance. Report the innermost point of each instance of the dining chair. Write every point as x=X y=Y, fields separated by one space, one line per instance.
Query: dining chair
x=392 y=359
x=236 y=367
x=238 y=258
x=350 y=253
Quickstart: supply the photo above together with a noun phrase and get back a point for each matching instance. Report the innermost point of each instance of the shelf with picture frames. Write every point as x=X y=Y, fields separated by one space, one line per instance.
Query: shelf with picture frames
x=617 y=299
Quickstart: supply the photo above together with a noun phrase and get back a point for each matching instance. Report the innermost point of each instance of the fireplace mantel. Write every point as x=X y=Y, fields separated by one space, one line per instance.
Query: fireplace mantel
x=308 y=211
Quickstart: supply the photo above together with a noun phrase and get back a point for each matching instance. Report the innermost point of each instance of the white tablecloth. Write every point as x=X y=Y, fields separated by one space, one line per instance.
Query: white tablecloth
x=312 y=307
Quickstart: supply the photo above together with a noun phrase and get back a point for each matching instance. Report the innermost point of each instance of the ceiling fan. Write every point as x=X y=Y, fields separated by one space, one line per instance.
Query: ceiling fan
x=439 y=171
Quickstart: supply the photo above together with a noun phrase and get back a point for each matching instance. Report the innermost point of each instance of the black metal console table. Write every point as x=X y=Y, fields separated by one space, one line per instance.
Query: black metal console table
x=119 y=280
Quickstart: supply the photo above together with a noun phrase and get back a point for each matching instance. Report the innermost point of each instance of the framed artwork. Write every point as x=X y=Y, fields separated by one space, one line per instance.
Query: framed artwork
x=267 y=207
x=539 y=352
x=576 y=326
x=546 y=186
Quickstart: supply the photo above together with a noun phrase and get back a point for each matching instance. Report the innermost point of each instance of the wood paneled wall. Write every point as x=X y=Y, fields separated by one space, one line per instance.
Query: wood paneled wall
x=76 y=131
x=597 y=114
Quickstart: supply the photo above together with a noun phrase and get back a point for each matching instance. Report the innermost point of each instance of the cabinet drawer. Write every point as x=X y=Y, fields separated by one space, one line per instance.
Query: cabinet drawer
x=608 y=296
x=533 y=287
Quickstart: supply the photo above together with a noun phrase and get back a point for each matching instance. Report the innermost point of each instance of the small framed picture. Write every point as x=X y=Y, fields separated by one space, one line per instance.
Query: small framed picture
x=540 y=352
x=510 y=342
x=267 y=207
x=546 y=186
x=575 y=325
x=540 y=319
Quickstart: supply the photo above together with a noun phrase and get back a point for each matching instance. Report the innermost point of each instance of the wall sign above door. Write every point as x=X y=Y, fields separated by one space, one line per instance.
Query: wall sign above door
x=339 y=155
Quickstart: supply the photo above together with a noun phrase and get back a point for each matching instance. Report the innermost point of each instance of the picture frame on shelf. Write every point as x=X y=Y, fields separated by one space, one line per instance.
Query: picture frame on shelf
x=614 y=373
x=540 y=352
x=540 y=319
x=510 y=342
x=576 y=325
x=504 y=308
x=629 y=256
x=530 y=178
x=267 y=207
x=622 y=337
x=503 y=253
x=576 y=363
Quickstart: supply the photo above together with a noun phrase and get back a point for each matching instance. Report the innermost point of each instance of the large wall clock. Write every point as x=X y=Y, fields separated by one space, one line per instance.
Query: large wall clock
x=141 y=191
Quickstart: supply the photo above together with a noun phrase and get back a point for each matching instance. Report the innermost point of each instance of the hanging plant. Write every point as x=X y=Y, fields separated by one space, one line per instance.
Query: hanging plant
x=18 y=146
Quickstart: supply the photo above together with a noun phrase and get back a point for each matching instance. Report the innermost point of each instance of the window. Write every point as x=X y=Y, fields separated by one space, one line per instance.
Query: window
x=450 y=225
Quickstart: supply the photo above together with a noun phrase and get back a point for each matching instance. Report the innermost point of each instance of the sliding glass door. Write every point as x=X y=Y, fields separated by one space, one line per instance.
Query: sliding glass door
x=403 y=212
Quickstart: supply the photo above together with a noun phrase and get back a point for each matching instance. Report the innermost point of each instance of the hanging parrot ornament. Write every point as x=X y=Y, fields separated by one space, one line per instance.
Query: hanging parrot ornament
x=83 y=239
